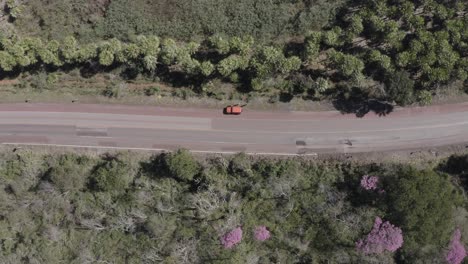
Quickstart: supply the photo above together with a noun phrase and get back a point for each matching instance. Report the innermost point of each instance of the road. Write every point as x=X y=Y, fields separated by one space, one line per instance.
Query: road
x=204 y=130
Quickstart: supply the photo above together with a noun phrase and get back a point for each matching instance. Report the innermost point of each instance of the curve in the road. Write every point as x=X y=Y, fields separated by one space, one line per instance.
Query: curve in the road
x=205 y=130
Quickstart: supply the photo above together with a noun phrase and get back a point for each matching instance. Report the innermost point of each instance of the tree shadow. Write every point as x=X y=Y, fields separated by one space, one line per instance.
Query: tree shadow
x=457 y=165
x=359 y=103
x=154 y=167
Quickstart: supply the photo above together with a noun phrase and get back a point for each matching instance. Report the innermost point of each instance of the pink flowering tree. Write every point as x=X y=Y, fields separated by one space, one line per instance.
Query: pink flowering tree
x=232 y=238
x=369 y=182
x=261 y=233
x=457 y=251
x=383 y=237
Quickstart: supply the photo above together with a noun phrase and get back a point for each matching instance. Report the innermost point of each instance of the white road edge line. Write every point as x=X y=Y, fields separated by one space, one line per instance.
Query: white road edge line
x=156 y=149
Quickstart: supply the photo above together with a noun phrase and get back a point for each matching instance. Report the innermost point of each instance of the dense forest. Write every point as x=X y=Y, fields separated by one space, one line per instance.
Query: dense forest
x=173 y=207
x=390 y=50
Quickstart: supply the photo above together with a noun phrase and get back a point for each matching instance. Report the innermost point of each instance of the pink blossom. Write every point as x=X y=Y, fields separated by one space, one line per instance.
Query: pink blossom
x=383 y=236
x=369 y=182
x=261 y=233
x=457 y=251
x=232 y=238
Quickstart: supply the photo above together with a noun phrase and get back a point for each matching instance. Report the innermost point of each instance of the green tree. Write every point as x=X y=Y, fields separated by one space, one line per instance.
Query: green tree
x=355 y=27
x=69 y=173
x=207 y=68
x=405 y=58
x=220 y=44
x=148 y=46
x=348 y=65
x=271 y=60
x=181 y=165
x=108 y=51
x=312 y=45
x=169 y=51
x=7 y=61
x=113 y=175
x=50 y=54
x=87 y=52
x=241 y=45
x=14 y=9
x=421 y=203
x=321 y=85
x=106 y=57
x=400 y=87
x=290 y=64
x=69 y=49
x=424 y=97
x=31 y=48
x=132 y=51
x=383 y=61
x=230 y=64
x=150 y=62
x=393 y=36
x=332 y=37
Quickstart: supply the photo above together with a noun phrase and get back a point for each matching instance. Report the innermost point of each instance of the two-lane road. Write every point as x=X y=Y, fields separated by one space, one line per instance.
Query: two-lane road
x=139 y=127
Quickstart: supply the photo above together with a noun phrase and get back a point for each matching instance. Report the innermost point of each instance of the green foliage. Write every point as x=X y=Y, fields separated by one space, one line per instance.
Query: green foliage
x=69 y=49
x=69 y=173
x=332 y=37
x=310 y=207
x=207 y=68
x=421 y=203
x=347 y=65
x=7 y=61
x=181 y=165
x=321 y=85
x=220 y=44
x=231 y=64
x=312 y=45
x=148 y=46
x=106 y=57
x=400 y=88
x=424 y=97
x=373 y=38
x=112 y=175
x=355 y=25
x=150 y=62
x=169 y=51
x=14 y=9
x=382 y=61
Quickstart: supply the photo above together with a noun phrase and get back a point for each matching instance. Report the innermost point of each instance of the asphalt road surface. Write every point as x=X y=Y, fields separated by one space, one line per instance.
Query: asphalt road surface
x=203 y=130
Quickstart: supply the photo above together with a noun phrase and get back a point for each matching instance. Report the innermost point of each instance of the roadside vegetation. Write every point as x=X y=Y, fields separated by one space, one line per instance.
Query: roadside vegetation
x=178 y=208
x=348 y=52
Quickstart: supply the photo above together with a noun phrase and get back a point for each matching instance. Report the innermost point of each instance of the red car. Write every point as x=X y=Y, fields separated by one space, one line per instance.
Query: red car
x=233 y=110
